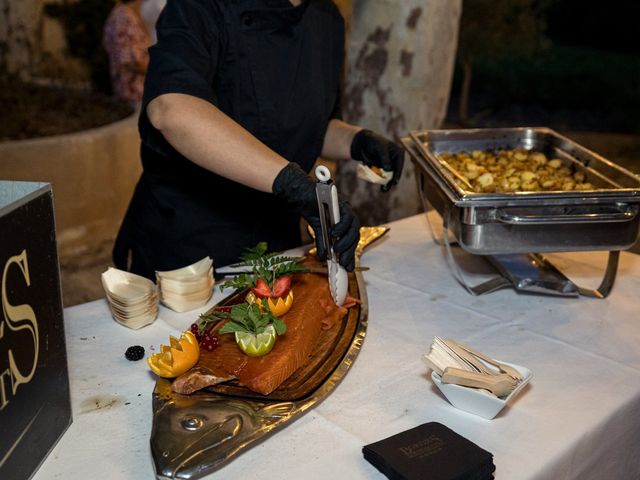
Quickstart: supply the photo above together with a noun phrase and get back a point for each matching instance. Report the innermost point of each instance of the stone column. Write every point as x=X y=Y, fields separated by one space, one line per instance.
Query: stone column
x=400 y=58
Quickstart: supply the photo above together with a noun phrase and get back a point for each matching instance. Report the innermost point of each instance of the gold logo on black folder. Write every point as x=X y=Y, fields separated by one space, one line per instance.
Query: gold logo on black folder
x=17 y=318
x=424 y=448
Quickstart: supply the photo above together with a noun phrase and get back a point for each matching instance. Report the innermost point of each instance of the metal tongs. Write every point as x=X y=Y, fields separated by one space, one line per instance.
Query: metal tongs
x=330 y=215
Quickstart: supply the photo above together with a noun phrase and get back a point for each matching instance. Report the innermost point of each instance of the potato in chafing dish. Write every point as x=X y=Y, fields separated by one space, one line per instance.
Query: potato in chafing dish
x=516 y=170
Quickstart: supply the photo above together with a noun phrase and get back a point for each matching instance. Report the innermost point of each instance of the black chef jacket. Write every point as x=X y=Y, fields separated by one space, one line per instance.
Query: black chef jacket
x=273 y=68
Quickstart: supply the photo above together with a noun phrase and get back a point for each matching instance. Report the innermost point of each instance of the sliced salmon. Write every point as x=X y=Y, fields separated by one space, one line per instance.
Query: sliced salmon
x=312 y=309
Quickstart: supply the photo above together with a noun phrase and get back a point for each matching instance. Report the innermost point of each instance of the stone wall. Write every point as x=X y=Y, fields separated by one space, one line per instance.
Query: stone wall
x=92 y=173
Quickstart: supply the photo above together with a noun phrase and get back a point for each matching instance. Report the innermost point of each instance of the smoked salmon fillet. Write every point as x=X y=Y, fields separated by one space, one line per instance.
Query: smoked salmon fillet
x=312 y=308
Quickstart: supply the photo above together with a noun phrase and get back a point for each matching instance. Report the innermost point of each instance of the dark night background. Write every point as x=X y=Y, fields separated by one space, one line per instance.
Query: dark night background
x=580 y=69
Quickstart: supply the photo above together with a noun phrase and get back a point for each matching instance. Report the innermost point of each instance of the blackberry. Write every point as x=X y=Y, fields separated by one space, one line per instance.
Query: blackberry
x=134 y=353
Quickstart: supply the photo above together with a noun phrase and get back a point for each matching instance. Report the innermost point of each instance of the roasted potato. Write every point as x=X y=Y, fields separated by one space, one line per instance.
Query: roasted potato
x=515 y=170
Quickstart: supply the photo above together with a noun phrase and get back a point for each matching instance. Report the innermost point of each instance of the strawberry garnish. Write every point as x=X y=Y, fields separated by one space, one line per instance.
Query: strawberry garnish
x=281 y=287
x=261 y=290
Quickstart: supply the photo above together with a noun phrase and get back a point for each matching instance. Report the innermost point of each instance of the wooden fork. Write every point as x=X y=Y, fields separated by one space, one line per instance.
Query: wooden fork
x=509 y=370
x=500 y=384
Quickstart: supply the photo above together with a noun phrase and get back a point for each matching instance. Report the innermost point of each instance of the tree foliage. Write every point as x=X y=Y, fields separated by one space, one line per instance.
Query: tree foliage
x=491 y=30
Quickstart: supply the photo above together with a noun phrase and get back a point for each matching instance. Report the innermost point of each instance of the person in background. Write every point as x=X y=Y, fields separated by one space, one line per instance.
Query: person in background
x=126 y=40
x=240 y=100
x=150 y=11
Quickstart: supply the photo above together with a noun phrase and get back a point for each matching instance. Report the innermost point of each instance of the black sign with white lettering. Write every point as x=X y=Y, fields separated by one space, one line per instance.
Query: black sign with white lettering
x=35 y=406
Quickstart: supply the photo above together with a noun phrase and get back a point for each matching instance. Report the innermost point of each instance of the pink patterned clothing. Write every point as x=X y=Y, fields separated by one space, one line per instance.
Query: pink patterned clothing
x=126 y=40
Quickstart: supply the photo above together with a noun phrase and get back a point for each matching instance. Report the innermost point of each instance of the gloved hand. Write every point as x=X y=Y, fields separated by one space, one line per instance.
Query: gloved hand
x=294 y=186
x=374 y=150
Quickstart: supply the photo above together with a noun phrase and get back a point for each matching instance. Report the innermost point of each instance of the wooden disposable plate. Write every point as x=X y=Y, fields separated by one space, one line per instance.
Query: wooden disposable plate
x=198 y=269
x=367 y=174
x=125 y=287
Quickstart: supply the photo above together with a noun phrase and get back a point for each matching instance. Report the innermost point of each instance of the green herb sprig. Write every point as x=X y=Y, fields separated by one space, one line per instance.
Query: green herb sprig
x=267 y=266
x=248 y=317
x=207 y=321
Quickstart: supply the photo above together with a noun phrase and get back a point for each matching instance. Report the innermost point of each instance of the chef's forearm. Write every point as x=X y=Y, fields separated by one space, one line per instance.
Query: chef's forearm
x=337 y=140
x=211 y=139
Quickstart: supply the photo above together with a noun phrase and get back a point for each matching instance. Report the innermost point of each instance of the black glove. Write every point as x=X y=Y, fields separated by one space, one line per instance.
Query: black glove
x=374 y=150
x=294 y=186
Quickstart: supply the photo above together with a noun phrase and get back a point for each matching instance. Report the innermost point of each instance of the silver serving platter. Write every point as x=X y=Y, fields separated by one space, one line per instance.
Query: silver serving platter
x=606 y=218
x=194 y=435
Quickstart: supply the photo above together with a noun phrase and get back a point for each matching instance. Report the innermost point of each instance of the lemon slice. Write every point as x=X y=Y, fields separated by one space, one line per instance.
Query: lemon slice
x=257 y=345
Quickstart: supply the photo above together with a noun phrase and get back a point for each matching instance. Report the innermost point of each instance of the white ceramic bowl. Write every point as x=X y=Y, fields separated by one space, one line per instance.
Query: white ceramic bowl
x=477 y=401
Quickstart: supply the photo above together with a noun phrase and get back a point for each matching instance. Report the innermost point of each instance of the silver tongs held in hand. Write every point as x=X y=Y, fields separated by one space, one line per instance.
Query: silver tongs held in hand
x=328 y=206
x=329 y=210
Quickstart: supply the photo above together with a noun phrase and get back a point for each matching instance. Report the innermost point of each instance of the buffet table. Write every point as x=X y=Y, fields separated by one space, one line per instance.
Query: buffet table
x=578 y=418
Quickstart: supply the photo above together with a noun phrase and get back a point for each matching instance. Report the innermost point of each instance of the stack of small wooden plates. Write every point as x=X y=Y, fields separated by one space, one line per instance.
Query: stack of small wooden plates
x=187 y=288
x=133 y=299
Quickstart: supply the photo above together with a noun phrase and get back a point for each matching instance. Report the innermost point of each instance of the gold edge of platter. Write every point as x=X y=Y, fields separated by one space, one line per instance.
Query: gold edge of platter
x=368 y=235
x=195 y=422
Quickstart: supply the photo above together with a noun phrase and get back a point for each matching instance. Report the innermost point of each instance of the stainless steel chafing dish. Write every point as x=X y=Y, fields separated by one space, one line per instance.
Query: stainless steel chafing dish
x=606 y=218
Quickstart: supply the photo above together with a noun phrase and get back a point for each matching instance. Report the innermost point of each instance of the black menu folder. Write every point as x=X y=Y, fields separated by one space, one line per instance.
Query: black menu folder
x=430 y=452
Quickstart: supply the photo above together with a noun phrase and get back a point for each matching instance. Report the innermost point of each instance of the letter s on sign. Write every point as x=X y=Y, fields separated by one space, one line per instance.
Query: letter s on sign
x=19 y=317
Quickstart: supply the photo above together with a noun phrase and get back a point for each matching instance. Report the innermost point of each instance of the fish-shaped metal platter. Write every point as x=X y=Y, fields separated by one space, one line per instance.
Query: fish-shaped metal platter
x=194 y=435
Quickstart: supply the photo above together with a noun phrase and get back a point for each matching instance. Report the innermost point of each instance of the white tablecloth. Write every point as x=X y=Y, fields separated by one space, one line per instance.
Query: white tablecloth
x=578 y=418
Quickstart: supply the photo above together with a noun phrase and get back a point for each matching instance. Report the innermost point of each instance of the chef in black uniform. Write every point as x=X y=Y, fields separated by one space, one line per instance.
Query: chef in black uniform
x=241 y=97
